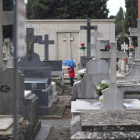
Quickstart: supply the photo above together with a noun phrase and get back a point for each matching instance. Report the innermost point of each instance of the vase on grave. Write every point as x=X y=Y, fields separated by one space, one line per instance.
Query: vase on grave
x=83 y=52
x=130 y=54
x=101 y=99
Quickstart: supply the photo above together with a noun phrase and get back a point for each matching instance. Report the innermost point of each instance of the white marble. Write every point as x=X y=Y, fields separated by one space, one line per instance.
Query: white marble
x=5 y=123
x=87 y=105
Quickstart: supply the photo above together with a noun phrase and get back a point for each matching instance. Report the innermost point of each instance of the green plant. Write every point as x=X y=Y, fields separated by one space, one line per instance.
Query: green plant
x=101 y=86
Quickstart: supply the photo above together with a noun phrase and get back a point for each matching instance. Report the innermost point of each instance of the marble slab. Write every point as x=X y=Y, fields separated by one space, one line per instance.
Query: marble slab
x=110 y=121
x=87 y=104
x=5 y=123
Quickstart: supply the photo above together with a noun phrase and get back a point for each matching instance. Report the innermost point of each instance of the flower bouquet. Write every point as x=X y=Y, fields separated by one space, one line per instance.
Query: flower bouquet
x=131 y=48
x=83 y=46
x=101 y=86
x=81 y=73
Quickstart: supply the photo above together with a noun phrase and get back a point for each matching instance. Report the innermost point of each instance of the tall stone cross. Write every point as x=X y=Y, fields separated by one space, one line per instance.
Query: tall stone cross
x=88 y=28
x=113 y=97
x=68 y=49
x=103 y=43
x=37 y=39
x=6 y=18
x=136 y=32
x=124 y=47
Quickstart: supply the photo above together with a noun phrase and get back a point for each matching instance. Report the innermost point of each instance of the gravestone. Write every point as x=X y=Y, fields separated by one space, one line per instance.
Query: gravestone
x=133 y=74
x=8 y=63
x=37 y=75
x=28 y=102
x=96 y=70
x=113 y=97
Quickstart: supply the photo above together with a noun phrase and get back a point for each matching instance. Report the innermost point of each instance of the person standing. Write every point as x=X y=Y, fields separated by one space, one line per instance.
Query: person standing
x=71 y=74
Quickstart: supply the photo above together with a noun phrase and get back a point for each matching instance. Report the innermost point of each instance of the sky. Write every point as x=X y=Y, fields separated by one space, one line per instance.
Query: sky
x=113 y=6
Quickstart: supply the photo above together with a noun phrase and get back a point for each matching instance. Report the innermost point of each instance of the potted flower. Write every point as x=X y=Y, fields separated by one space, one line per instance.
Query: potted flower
x=131 y=48
x=83 y=48
x=101 y=86
x=82 y=73
x=107 y=47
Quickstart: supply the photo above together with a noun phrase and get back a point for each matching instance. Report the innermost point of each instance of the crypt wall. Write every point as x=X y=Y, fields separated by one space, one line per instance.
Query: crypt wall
x=68 y=36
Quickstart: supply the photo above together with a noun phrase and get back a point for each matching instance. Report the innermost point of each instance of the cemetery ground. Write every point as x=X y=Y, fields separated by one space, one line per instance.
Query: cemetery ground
x=56 y=126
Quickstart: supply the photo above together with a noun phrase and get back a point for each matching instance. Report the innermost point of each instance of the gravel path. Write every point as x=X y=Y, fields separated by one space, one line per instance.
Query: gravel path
x=56 y=123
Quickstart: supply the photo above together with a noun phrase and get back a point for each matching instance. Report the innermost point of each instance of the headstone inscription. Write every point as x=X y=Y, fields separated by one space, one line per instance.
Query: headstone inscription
x=37 y=75
x=88 y=28
x=113 y=97
x=6 y=18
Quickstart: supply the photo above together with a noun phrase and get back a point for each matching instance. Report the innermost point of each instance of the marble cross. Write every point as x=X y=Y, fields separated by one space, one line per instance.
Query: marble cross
x=124 y=47
x=136 y=32
x=38 y=39
x=88 y=28
x=68 y=49
x=113 y=97
x=6 y=18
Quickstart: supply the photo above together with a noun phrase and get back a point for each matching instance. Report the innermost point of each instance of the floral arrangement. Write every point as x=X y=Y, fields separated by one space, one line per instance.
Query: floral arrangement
x=107 y=47
x=82 y=73
x=92 y=59
x=101 y=86
x=131 y=48
x=126 y=60
x=83 y=46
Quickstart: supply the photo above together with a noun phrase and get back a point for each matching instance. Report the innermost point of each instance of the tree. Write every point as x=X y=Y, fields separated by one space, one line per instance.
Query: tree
x=131 y=17
x=119 y=26
x=8 y=5
x=81 y=9
x=67 y=9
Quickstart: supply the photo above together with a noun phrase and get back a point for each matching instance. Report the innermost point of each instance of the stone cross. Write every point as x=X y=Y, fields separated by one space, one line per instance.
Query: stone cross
x=68 y=49
x=124 y=47
x=113 y=97
x=38 y=39
x=136 y=32
x=6 y=18
x=88 y=28
x=7 y=49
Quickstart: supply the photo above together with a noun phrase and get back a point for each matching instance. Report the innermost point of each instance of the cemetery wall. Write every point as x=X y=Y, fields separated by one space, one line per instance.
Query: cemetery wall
x=57 y=30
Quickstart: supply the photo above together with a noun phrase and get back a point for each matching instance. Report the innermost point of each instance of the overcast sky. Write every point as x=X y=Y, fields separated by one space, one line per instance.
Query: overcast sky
x=113 y=6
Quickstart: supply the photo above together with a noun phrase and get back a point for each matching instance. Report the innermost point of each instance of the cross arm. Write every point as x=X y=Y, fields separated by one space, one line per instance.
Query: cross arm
x=122 y=55
x=133 y=31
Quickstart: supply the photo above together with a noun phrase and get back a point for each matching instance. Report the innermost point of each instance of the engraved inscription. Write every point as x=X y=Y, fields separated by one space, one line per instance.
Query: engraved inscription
x=32 y=73
x=4 y=88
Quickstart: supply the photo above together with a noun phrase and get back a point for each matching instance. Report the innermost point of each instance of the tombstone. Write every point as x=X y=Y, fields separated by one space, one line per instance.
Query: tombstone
x=28 y=102
x=37 y=75
x=7 y=20
x=133 y=74
x=8 y=63
x=124 y=47
x=96 y=70
x=113 y=97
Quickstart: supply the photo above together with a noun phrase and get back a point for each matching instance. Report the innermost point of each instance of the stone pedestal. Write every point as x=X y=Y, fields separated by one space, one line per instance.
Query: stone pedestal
x=106 y=125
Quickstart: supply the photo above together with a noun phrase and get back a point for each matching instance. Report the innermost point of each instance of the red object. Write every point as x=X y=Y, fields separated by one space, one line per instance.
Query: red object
x=71 y=72
x=83 y=44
